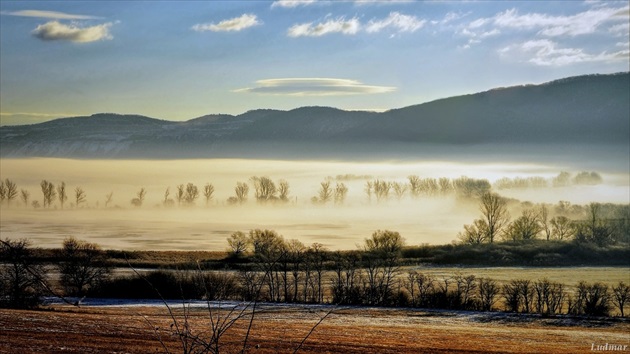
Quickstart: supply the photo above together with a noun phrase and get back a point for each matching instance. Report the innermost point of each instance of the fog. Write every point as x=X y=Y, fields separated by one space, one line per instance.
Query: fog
x=435 y=220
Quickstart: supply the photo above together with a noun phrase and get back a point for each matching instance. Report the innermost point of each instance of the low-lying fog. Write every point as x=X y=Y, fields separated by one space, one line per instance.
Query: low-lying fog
x=153 y=226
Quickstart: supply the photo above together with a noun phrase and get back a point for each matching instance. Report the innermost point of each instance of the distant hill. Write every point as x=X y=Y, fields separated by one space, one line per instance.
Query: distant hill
x=591 y=109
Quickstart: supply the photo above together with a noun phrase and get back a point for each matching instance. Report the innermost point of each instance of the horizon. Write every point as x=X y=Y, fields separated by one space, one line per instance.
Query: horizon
x=183 y=60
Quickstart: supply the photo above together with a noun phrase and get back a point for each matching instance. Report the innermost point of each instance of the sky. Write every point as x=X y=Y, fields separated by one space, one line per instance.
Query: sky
x=179 y=60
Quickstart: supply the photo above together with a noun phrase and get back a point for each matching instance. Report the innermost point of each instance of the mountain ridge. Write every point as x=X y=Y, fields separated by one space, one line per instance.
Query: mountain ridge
x=587 y=109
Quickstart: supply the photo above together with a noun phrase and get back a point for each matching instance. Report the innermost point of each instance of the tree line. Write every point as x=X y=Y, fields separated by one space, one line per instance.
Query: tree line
x=287 y=271
x=601 y=224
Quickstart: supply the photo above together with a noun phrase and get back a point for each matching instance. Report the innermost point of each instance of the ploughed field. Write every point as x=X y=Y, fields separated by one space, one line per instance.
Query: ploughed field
x=281 y=328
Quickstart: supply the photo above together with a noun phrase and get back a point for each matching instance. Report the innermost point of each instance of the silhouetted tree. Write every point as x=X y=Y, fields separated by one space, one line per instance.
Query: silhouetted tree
x=562 y=228
x=474 y=234
x=82 y=266
x=12 y=190
x=79 y=196
x=493 y=207
x=208 y=192
x=191 y=194
x=109 y=197
x=61 y=193
x=283 y=190
x=238 y=243
x=325 y=193
x=621 y=295
x=264 y=188
x=22 y=280
x=179 y=196
x=545 y=222
x=488 y=290
x=48 y=190
x=399 y=189
x=3 y=191
x=139 y=199
x=24 y=195
x=340 y=193
x=381 y=259
x=241 y=190
x=414 y=185
x=526 y=227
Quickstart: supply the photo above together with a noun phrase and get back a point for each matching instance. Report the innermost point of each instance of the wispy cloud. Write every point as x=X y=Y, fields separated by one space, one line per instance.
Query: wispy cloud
x=338 y=25
x=55 y=30
x=292 y=3
x=231 y=25
x=398 y=21
x=545 y=52
x=582 y=23
x=49 y=14
x=381 y=2
x=314 y=87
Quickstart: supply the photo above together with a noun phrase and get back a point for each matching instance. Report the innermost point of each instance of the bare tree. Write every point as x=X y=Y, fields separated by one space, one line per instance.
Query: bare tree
x=241 y=191
x=179 y=196
x=340 y=193
x=414 y=185
x=3 y=191
x=474 y=234
x=381 y=190
x=494 y=210
x=446 y=186
x=382 y=255
x=139 y=199
x=399 y=189
x=368 y=190
x=48 y=190
x=24 y=195
x=208 y=192
x=488 y=291
x=545 y=222
x=168 y=202
x=325 y=193
x=561 y=228
x=12 y=191
x=238 y=243
x=264 y=189
x=109 y=197
x=79 y=196
x=283 y=190
x=21 y=278
x=191 y=194
x=82 y=266
x=524 y=228
x=621 y=295
x=61 y=193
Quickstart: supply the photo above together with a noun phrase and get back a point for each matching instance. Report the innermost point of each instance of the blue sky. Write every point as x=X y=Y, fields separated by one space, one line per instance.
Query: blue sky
x=180 y=60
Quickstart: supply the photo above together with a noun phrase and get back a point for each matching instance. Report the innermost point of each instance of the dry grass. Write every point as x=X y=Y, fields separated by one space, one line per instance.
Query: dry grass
x=279 y=329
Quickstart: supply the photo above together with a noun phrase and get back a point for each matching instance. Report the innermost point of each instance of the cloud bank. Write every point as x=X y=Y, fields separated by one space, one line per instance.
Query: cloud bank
x=57 y=31
x=231 y=25
x=314 y=87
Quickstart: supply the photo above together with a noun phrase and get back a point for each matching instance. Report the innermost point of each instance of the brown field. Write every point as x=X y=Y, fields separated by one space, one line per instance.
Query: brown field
x=279 y=329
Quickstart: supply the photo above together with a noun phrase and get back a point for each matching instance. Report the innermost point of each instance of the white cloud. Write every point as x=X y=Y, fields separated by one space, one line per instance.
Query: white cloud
x=621 y=29
x=50 y=14
x=314 y=87
x=338 y=25
x=545 y=52
x=582 y=23
x=398 y=21
x=292 y=3
x=234 y=24
x=54 y=30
